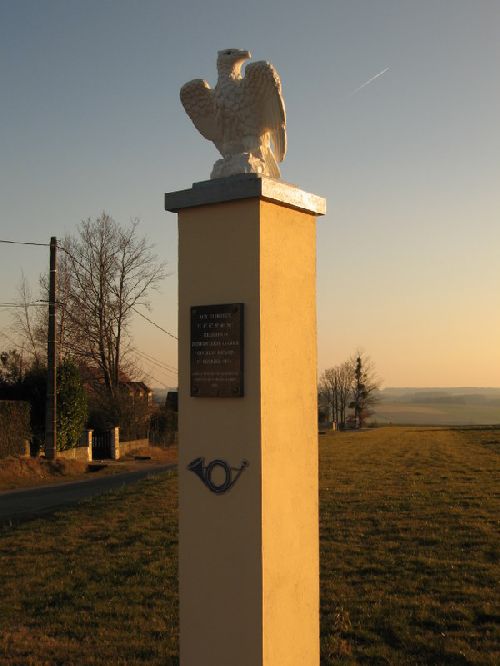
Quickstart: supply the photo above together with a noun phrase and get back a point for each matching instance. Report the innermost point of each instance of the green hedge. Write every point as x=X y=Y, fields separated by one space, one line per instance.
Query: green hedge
x=14 y=427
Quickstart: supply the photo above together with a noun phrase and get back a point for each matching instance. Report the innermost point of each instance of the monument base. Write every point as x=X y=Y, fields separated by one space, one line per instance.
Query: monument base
x=248 y=470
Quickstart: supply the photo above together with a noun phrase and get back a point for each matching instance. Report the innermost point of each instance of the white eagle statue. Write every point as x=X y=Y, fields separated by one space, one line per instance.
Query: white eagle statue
x=243 y=116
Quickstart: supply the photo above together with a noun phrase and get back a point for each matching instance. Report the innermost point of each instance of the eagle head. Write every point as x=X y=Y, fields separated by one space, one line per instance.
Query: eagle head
x=229 y=60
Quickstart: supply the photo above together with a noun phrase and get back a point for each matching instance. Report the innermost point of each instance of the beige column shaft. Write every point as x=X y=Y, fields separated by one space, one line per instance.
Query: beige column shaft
x=249 y=563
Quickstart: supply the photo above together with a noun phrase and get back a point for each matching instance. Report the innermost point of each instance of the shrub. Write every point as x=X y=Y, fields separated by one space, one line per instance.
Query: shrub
x=14 y=427
x=71 y=406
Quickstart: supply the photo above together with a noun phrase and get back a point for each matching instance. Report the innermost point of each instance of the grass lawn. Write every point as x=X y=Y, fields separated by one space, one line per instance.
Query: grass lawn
x=96 y=584
x=409 y=561
x=409 y=546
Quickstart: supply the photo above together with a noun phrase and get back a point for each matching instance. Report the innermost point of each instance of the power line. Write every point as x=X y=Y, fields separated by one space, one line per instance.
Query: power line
x=25 y=305
x=171 y=371
x=147 y=370
x=61 y=247
x=11 y=340
x=164 y=330
x=24 y=243
x=11 y=303
x=158 y=380
x=162 y=366
x=155 y=324
x=157 y=360
x=71 y=256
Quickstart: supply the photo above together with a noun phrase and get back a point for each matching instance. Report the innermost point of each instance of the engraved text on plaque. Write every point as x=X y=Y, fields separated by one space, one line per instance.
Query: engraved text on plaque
x=217 y=351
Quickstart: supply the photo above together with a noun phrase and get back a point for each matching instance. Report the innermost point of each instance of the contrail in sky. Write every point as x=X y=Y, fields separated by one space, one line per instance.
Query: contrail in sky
x=369 y=81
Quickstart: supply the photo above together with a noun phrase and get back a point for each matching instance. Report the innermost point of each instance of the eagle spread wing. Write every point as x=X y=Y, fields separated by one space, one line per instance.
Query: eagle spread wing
x=264 y=87
x=197 y=99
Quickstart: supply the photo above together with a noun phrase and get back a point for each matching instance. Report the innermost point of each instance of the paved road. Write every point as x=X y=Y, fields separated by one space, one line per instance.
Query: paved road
x=19 y=505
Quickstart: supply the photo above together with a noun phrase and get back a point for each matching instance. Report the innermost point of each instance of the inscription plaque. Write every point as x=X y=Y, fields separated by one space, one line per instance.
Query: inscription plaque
x=217 y=351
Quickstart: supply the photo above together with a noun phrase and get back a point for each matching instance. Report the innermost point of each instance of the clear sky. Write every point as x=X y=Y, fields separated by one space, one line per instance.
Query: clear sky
x=408 y=254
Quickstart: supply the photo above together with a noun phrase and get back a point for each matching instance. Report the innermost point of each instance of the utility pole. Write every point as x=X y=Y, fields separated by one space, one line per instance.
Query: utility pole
x=51 y=407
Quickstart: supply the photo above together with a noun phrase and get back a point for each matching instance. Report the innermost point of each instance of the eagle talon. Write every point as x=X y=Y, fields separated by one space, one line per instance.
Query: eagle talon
x=242 y=163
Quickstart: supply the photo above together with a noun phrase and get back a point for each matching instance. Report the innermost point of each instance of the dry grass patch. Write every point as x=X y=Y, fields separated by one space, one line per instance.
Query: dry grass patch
x=409 y=547
x=96 y=584
x=409 y=561
x=25 y=472
x=30 y=472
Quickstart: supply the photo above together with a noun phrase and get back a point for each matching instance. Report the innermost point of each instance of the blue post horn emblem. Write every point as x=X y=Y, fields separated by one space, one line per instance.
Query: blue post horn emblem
x=205 y=473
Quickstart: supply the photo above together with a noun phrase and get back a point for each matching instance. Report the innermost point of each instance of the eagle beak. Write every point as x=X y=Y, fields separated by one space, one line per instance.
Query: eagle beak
x=245 y=55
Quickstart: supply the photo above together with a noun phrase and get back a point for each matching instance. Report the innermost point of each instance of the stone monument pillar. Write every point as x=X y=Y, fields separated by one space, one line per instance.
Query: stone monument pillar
x=248 y=450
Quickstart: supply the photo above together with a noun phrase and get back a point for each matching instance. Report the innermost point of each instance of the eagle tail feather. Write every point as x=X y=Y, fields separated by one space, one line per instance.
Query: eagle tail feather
x=271 y=164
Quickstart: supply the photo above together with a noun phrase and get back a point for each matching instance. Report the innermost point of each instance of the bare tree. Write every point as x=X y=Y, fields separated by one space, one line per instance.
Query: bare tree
x=104 y=273
x=350 y=385
x=109 y=271
x=25 y=322
x=30 y=318
x=71 y=336
x=335 y=389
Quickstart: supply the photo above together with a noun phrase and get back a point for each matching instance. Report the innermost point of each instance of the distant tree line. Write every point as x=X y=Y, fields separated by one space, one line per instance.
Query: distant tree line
x=351 y=385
